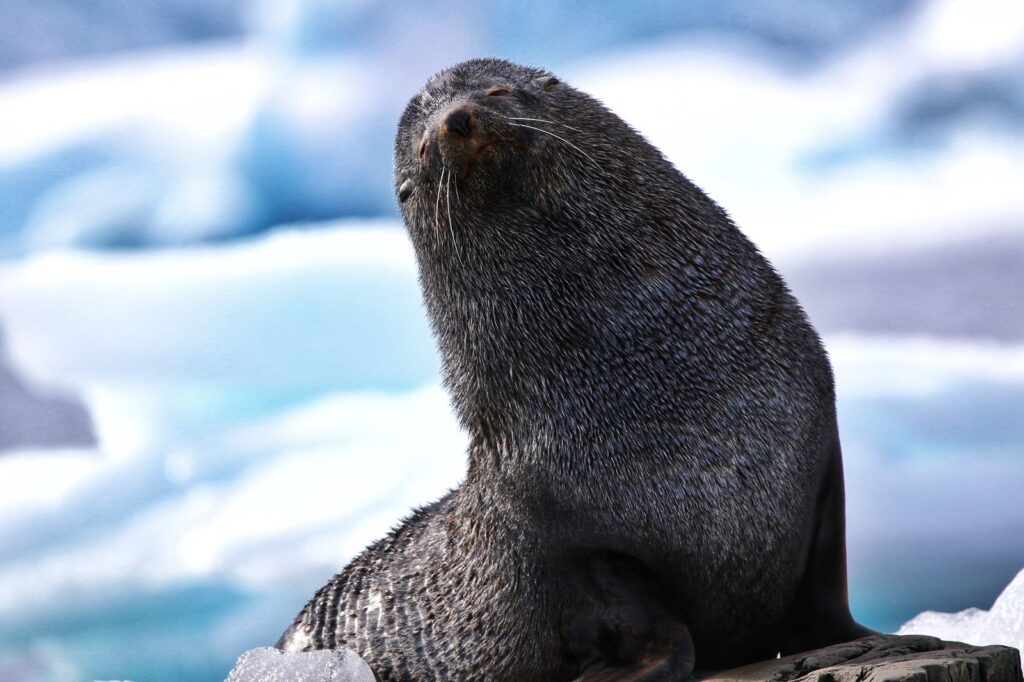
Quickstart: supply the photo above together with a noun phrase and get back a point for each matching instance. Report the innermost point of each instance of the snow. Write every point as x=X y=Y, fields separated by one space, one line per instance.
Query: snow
x=775 y=171
x=964 y=34
x=312 y=488
x=1002 y=624
x=268 y=665
x=206 y=92
x=935 y=365
x=229 y=140
x=63 y=471
x=225 y=333
x=245 y=399
x=147 y=157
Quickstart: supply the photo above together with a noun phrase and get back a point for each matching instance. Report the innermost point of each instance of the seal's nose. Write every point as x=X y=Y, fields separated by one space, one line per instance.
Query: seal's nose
x=459 y=121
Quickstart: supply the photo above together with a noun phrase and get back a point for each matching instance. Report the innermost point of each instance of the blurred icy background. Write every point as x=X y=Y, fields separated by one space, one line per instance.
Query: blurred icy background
x=217 y=383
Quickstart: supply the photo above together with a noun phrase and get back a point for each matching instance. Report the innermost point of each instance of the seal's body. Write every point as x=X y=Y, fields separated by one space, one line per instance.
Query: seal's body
x=654 y=472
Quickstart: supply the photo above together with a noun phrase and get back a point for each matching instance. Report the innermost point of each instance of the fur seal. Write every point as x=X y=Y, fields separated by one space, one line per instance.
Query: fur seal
x=654 y=480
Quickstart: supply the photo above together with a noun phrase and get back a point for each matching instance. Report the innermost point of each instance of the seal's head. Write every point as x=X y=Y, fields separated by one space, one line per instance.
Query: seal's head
x=470 y=129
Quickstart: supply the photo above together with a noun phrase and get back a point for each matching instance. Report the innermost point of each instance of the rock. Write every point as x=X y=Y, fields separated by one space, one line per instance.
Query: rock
x=34 y=420
x=886 y=658
x=272 y=665
x=879 y=658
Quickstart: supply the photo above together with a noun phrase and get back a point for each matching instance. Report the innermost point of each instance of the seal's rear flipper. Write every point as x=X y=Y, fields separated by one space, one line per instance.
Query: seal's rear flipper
x=625 y=630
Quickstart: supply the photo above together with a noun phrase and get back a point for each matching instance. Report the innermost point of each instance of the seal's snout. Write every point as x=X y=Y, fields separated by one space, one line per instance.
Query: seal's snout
x=458 y=121
x=461 y=133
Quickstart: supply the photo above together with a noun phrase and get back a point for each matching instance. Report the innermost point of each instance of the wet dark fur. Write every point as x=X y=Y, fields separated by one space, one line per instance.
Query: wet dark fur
x=654 y=467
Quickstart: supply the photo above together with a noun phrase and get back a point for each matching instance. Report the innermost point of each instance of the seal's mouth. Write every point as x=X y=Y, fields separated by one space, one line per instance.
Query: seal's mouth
x=462 y=159
x=459 y=141
x=482 y=149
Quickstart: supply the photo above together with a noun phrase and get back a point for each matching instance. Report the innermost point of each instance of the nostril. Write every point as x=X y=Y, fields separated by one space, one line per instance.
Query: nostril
x=458 y=121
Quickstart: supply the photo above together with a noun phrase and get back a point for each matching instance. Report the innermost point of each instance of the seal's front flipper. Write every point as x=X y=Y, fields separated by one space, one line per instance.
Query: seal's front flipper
x=624 y=628
x=675 y=666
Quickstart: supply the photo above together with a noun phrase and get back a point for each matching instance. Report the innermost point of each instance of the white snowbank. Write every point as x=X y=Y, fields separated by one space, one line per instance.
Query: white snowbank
x=171 y=342
x=756 y=139
x=229 y=140
x=246 y=399
x=63 y=471
x=931 y=435
x=303 y=298
x=967 y=34
x=310 y=488
x=125 y=151
x=919 y=366
x=1002 y=624
x=204 y=93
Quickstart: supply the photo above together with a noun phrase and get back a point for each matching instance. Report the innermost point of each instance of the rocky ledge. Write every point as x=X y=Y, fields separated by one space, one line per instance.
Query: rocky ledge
x=880 y=658
x=886 y=658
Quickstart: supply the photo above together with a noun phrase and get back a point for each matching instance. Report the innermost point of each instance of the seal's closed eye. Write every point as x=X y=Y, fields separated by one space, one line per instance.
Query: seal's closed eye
x=547 y=82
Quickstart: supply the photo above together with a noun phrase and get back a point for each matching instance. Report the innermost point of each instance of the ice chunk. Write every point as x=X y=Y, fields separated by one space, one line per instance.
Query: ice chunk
x=271 y=665
x=1002 y=624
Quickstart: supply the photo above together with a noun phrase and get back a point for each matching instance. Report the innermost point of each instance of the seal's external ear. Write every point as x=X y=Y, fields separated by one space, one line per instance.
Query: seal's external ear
x=547 y=82
x=405 y=191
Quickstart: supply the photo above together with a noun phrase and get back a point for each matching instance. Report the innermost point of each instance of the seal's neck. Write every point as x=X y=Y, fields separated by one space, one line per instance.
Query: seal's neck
x=574 y=344
x=580 y=312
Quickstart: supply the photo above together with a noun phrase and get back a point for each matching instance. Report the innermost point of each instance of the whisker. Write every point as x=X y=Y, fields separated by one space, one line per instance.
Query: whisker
x=458 y=199
x=437 y=202
x=542 y=120
x=558 y=137
x=448 y=207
